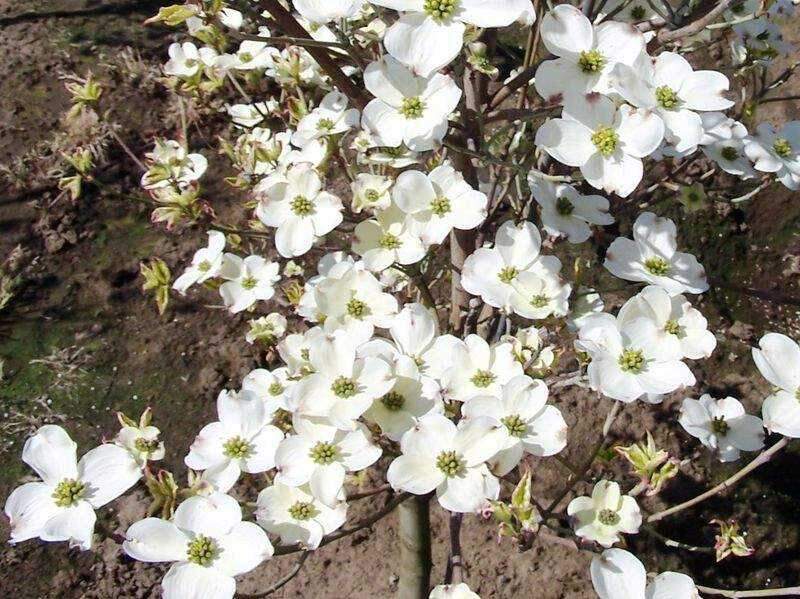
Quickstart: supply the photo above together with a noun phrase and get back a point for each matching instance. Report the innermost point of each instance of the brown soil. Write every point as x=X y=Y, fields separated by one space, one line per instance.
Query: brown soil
x=81 y=294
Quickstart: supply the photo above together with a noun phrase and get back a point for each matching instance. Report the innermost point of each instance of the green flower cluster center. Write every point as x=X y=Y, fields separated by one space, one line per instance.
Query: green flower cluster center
x=606 y=140
x=302 y=206
x=303 y=510
x=275 y=389
x=440 y=10
x=564 y=207
x=441 y=206
x=591 y=61
x=412 y=108
x=245 y=57
x=507 y=274
x=324 y=453
x=393 y=401
x=515 y=425
x=657 y=266
x=719 y=426
x=539 y=301
x=389 y=241
x=249 y=283
x=667 y=97
x=325 y=125
x=638 y=13
x=372 y=195
x=202 y=550
x=729 y=153
x=608 y=517
x=204 y=266
x=357 y=309
x=483 y=378
x=237 y=448
x=672 y=327
x=146 y=445
x=450 y=463
x=68 y=492
x=344 y=387
x=632 y=360
x=782 y=147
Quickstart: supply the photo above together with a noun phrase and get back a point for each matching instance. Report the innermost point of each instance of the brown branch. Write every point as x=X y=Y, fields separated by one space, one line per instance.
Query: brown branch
x=695 y=26
x=283 y=581
x=289 y=25
x=454 y=573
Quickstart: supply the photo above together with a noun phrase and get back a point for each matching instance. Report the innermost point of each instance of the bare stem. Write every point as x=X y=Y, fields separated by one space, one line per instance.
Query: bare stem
x=283 y=581
x=414 y=530
x=788 y=591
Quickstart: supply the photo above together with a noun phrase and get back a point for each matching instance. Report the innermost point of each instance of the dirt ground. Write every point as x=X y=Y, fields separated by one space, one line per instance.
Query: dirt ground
x=80 y=341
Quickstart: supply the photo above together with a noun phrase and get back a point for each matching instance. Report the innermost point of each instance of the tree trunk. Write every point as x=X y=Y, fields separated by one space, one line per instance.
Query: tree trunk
x=415 y=548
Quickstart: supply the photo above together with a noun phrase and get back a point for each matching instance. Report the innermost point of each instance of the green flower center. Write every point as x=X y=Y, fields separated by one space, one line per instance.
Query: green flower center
x=275 y=389
x=301 y=206
x=719 y=426
x=564 y=207
x=608 y=517
x=483 y=378
x=657 y=266
x=204 y=266
x=357 y=309
x=672 y=327
x=201 y=550
x=146 y=445
x=782 y=147
x=508 y=274
x=440 y=10
x=515 y=425
x=389 y=241
x=282 y=419
x=325 y=125
x=68 y=492
x=637 y=13
x=412 y=108
x=666 y=97
x=237 y=448
x=729 y=153
x=372 y=195
x=606 y=140
x=249 y=283
x=632 y=360
x=449 y=463
x=591 y=61
x=393 y=401
x=344 y=387
x=441 y=206
x=303 y=510
x=245 y=57
x=539 y=301
x=323 y=453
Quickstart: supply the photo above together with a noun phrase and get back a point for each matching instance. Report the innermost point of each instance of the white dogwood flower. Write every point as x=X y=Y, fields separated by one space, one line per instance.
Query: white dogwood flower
x=391 y=237
x=722 y=425
x=170 y=164
x=140 y=439
x=453 y=591
x=267 y=329
x=325 y=11
x=625 y=363
x=479 y=369
x=407 y=108
x=300 y=209
x=253 y=55
x=652 y=257
x=331 y=117
x=778 y=359
x=605 y=141
x=248 y=280
x=439 y=202
x=618 y=574
x=60 y=506
x=729 y=151
x=531 y=426
x=606 y=514
x=206 y=263
x=567 y=212
x=585 y=54
x=271 y=386
x=680 y=330
x=184 y=60
x=777 y=151
x=297 y=516
x=430 y=33
x=670 y=87
x=371 y=192
x=452 y=460
x=242 y=440
x=320 y=455
x=208 y=543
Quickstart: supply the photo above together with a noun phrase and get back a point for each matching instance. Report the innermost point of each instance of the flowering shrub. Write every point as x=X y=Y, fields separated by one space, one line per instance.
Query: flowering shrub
x=414 y=350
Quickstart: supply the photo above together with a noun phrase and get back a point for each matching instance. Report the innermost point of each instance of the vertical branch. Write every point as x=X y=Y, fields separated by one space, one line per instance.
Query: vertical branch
x=414 y=531
x=455 y=565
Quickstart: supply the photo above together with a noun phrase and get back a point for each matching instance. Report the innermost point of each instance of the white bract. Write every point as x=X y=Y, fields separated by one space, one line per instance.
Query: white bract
x=606 y=514
x=618 y=574
x=408 y=109
x=331 y=117
x=478 y=369
x=325 y=11
x=453 y=591
x=722 y=425
x=208 y=542
x=391 y=237
x=605 y=141
x=300 y=210
x=241 y=441
x=652 y=257
x=778 y=358
x=452 y=460
x=777 y=151
x=170 y=164
x=567 y=212
x=206 y=263
x=248 y=281
x=60 y=506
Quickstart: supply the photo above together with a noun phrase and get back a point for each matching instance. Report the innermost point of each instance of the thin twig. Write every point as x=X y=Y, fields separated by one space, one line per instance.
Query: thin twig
x=788 y=591
x=696 y=26
x=454 y=573
x=283 y=581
